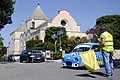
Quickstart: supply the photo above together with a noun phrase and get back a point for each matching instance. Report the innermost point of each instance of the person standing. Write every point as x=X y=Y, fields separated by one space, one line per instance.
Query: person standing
x=106 y=43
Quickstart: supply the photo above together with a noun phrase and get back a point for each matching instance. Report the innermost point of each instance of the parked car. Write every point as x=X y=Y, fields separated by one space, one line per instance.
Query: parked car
x=14 y=57
x=32 y=56
x=73 y=58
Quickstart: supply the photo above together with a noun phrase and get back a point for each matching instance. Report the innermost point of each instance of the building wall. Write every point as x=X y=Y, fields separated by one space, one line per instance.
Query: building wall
x=116 y=54
x=14 y=43
x=72 y=28
x=10 y=49
x=76 y=34
x=71 y=24
x=37 y=23
x=42 y=35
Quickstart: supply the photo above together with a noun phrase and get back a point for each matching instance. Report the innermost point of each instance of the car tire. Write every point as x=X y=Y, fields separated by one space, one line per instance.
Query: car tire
x=21 y=61
x=43 y=60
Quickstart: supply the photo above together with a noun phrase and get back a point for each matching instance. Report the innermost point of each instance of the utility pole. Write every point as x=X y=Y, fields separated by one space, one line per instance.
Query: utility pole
x=60 y=45
x=54 y=37
x=55 y=45
x=59 y=33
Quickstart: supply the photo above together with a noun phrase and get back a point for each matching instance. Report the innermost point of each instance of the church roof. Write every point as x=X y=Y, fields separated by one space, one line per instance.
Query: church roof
x=38 y=14
x=21 y=28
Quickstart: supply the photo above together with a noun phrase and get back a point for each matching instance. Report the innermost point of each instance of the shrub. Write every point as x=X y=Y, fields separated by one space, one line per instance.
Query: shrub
x=56 y=56
x=2 y=58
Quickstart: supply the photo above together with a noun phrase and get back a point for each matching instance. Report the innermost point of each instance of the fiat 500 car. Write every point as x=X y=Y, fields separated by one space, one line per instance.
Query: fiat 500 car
x=73 y=58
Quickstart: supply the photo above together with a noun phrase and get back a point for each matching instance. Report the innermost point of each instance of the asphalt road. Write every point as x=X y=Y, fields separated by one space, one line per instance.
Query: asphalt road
x=49 y=71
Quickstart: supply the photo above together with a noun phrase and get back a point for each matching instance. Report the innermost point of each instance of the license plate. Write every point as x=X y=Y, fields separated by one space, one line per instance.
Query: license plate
x=38 y=58
x=32 y=56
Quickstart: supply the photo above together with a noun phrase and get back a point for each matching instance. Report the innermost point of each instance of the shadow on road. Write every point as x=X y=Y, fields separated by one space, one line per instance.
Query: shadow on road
x=75 y=68
x=98 y=73
x=85 y=75
x=91 y=75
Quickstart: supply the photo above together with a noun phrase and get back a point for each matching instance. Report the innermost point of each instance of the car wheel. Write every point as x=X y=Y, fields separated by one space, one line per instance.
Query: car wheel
x=43 y=60
x=28 y=60
x=21 y=61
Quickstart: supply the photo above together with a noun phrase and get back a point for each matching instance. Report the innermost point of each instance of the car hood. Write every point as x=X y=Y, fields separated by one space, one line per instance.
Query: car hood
x=72 y=56
x=74 y=53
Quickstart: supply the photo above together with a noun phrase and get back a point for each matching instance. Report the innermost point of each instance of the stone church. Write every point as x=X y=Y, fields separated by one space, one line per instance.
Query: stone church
x=34 y=28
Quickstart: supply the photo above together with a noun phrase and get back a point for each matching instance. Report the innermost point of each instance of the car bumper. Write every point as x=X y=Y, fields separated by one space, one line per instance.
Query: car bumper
x=73 y=65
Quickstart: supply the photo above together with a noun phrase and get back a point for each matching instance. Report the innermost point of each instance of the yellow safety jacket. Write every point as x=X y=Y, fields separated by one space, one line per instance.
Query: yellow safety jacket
x=108 y=46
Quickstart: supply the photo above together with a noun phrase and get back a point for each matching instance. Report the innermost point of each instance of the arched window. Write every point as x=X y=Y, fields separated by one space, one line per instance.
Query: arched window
x=64 y=22
x=33 y=25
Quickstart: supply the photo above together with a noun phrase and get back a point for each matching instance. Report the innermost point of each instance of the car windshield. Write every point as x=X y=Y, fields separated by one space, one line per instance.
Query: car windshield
x=81 y=49
x=26 y=52
x=36 y=51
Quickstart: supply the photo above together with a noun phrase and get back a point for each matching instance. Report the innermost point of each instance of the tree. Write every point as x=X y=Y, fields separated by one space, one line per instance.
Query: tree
x=112 y=24
x=67 y=44
x=53 y=31
x=48 y=46
x=33 y=44
x=70 y=43
x=3 y=50
x=1 y=41
x=51 y=36
x=84 y=40
x=6 y=10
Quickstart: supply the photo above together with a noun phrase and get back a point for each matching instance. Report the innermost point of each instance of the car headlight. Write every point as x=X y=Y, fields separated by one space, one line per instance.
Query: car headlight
x=62 y=59
x=29 y=53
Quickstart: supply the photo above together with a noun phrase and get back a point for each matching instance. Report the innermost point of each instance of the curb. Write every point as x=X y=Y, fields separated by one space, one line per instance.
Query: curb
x=58 y=61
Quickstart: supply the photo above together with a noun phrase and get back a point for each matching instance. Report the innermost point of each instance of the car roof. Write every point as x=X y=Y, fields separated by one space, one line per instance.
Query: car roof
x=90 y=43
x=86 y=44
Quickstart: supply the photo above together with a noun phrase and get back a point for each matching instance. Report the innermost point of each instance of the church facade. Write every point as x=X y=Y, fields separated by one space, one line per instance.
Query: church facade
x=34 y=28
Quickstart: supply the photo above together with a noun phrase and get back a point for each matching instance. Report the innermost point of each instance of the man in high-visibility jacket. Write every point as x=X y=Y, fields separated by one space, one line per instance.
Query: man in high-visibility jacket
x=106 y=42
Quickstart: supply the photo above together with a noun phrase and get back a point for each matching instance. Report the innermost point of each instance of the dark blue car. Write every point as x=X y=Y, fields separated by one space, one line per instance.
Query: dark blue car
x=73 y=58
x=32 y=56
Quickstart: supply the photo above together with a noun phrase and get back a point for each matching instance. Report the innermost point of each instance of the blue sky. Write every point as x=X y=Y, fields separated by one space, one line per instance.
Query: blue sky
x=85 y=12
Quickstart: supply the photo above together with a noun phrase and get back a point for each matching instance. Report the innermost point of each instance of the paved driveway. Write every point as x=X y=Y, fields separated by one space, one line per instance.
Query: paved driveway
x=48 y=71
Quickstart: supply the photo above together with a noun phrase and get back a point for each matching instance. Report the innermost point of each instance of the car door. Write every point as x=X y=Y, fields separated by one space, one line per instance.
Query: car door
x=25 y=56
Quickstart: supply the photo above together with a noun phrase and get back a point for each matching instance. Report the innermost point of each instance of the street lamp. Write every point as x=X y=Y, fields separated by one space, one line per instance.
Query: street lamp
x=59 y=33
x=60 y=45
x=54 y=36
x=55 y=45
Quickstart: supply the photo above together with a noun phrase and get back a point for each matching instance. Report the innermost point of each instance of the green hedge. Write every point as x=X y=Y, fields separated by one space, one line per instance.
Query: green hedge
x=56 y=56
x=2 y=58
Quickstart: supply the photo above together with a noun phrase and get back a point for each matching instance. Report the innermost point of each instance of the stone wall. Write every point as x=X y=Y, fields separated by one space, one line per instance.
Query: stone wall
x=116 y=54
